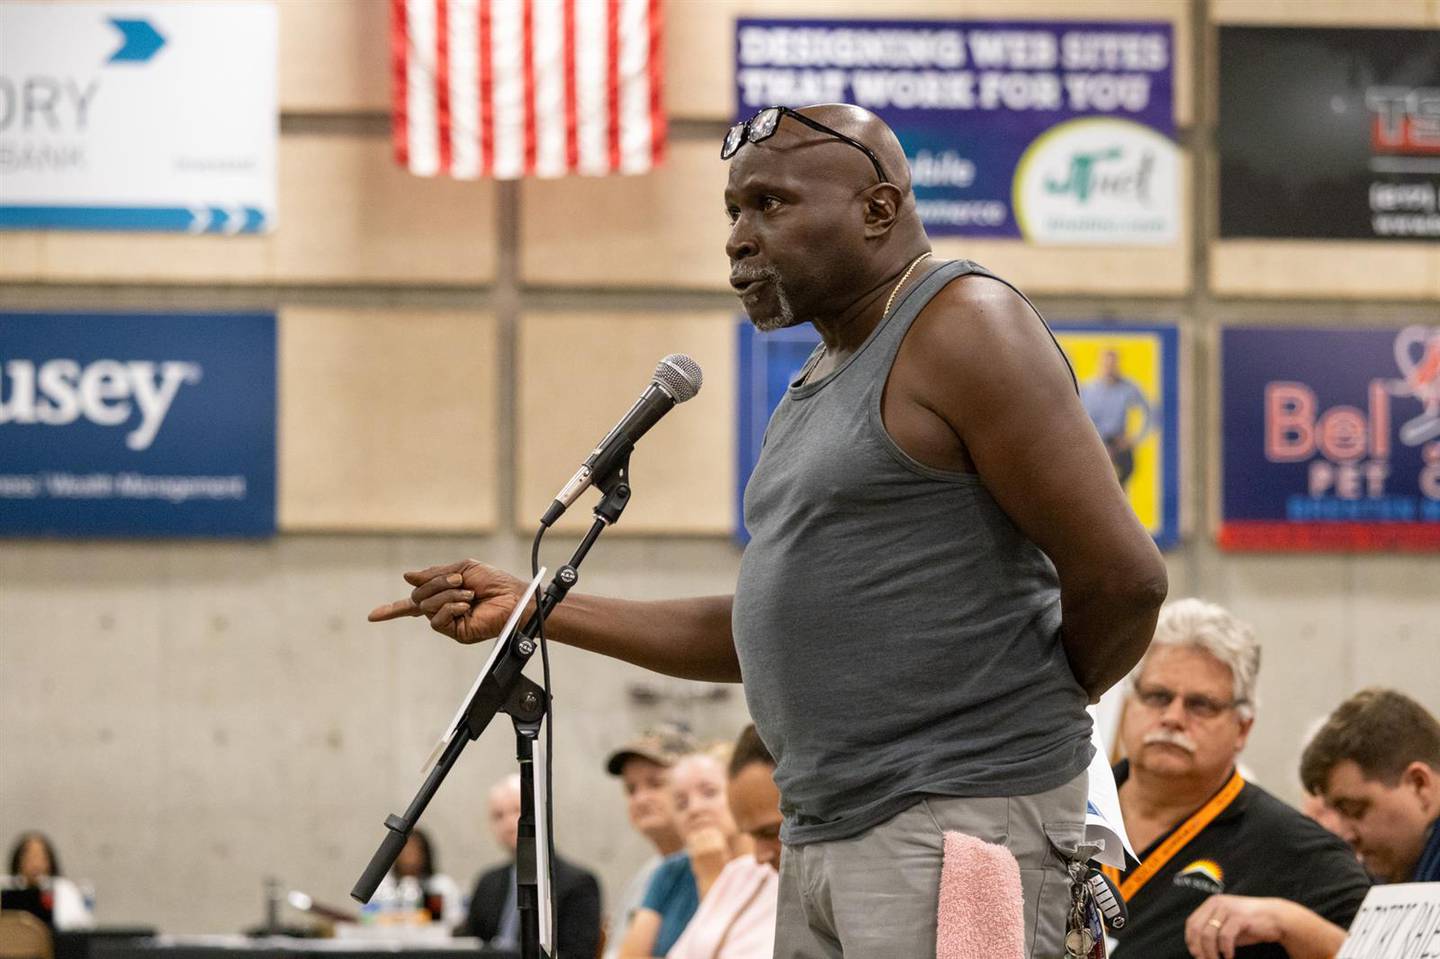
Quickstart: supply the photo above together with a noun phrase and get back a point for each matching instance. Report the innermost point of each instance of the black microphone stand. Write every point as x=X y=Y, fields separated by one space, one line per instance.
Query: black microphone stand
x=504 y=689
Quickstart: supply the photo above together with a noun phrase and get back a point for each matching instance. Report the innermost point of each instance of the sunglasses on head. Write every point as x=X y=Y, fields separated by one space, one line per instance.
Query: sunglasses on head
x=762 y=126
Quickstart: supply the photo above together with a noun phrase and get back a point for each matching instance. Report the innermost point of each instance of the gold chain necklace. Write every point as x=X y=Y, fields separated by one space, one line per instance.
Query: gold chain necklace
x=903 y=277
x=883 y=313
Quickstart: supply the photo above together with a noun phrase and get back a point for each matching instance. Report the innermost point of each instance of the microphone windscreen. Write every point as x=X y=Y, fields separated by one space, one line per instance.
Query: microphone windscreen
x=679 y=376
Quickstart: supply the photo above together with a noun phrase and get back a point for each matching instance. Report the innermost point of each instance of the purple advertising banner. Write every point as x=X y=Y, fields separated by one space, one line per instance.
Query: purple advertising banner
x=1058 y=132
x=1331 y=438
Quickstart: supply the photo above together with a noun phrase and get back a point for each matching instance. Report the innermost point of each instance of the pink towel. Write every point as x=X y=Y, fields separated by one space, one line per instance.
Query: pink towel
x=982 y=911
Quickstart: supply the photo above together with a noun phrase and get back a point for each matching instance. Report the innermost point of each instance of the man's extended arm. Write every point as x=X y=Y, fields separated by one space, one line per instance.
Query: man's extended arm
x=1003 y=386
x=470 y=601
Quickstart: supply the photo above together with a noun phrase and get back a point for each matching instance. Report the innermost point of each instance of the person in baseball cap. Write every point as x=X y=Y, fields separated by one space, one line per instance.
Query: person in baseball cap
x=643 y=766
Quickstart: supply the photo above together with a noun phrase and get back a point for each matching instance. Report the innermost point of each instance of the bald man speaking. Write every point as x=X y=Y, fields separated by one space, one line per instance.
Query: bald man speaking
x=942 y=568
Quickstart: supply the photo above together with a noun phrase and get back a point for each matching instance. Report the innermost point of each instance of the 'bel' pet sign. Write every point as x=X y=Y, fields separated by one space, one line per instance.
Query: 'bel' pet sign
x=1331 y=438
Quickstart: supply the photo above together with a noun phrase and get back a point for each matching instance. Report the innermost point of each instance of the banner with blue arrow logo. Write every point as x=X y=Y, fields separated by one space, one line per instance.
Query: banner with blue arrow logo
x=142 y=41
x=138 y=117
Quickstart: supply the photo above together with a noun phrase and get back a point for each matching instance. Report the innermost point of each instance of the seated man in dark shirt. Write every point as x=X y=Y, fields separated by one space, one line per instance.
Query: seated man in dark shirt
x=493 y=913
x=1375 y=767
x=1376 y=762
x=1200 y=828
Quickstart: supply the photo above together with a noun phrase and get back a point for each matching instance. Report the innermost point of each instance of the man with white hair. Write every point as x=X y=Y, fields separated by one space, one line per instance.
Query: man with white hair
x=1200 y=828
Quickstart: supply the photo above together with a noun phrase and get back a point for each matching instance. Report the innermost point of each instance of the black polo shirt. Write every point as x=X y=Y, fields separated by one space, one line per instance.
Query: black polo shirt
x=1257 y=846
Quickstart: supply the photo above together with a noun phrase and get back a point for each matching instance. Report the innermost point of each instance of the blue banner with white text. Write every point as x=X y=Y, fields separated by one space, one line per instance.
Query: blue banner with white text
x=137 y=424
x=1330 y=438
x=1058 y=132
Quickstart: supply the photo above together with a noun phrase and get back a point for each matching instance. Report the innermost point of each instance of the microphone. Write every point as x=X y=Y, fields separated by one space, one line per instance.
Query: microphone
x=677 y=378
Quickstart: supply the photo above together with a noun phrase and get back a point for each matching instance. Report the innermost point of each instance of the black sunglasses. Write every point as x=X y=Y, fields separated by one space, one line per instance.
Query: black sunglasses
x=762 y=126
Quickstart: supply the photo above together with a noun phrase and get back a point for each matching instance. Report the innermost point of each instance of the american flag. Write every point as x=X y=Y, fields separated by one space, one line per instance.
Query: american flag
x=509 y=88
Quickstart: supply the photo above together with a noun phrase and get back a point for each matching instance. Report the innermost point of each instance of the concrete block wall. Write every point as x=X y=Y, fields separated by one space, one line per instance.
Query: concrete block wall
x=186 y=718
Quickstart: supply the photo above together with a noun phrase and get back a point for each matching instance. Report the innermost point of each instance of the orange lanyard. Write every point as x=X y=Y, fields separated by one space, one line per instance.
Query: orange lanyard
x=1177 y=841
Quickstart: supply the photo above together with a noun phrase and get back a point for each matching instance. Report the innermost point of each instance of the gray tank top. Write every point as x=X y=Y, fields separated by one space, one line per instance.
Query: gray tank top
x=898 y=636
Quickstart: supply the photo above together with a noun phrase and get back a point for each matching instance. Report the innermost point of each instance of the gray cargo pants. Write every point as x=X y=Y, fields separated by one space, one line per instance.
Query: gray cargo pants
x=875 y=896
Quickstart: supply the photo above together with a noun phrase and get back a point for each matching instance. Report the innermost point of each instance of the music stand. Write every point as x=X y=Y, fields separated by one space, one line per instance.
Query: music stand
x=502 y=688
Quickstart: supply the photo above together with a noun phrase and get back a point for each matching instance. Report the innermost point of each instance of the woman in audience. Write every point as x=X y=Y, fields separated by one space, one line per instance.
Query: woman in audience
x=736 y=920
x=711 y=841
x=440 y=894
x=34 y=865
x=643 y=765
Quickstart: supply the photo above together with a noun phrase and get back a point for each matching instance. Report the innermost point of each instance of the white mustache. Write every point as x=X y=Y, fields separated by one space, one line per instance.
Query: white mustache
x=768 y=273
x=1171 y=738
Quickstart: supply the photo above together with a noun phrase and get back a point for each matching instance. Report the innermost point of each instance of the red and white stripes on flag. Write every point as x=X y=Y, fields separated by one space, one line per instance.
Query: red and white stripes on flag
x=509 y=88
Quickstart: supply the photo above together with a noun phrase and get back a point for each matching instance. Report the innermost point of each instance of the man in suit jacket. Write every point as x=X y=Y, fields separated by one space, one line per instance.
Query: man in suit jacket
x=493 y=915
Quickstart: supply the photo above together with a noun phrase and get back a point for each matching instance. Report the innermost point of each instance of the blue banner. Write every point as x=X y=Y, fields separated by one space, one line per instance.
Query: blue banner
x=198 y=219
x=1129 y=382
x=768 y=364
x=1060 y=132
x=1331 y=438
x=137 y=424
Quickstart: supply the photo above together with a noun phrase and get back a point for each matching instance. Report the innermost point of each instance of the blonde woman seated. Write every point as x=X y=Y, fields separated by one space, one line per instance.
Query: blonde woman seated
x=736 y=920
x=683 y=879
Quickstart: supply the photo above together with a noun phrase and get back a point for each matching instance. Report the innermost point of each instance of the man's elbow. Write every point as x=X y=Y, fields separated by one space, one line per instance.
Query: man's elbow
x=1143 y=580
x=1140 y=585
x=1148 y=588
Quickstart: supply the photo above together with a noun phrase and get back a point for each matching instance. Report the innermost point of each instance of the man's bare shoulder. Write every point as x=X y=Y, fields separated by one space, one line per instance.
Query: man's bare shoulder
x=977 y=319
x=979 y=290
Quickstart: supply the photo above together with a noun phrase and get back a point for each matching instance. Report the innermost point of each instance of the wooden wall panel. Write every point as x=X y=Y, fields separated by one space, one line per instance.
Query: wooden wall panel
x=334 y=56
x=663 y=229
x=388 y=420
x=64 y=256
x=580 y=372
x=1338 y=13
x=21 y=256
x=1314 y=269
x=347 y=214
x=700 y=50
